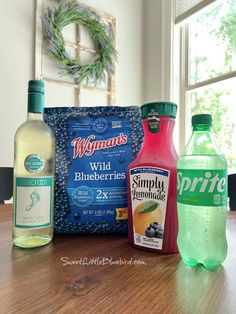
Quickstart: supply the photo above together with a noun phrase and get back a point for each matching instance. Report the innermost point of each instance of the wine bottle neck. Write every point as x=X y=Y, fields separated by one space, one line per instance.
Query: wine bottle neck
x=35 y=102
x=35 y=116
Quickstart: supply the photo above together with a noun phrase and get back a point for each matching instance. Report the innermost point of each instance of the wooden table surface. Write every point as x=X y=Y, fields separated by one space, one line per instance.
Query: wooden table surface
x=84 y=274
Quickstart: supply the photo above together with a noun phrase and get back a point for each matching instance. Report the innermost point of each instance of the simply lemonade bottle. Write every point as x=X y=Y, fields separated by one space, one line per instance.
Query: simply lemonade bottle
x=33 y=175
x=202 y=198
x=152 y=212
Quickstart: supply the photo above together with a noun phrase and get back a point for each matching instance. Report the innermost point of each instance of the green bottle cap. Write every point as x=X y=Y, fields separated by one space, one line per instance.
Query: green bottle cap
x=152 y=112
x=36 y=96
x=202 y=119
x=36 y=86
x=167 y=109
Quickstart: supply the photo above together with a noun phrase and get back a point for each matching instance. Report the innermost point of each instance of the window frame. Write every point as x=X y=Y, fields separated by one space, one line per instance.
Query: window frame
x=185 y=87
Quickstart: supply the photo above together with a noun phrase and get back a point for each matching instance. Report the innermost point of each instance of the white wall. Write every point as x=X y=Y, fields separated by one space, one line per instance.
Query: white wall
x=129 y=28
x=152 y=80
x=16 y=68
x=137 y=72
x=161 y=61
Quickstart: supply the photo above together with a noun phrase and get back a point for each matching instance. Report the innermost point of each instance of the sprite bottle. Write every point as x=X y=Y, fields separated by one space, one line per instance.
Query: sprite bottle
x=202 y=198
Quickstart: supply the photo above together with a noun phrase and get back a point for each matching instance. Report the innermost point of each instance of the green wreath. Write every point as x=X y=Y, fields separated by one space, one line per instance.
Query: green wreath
x=67 y=12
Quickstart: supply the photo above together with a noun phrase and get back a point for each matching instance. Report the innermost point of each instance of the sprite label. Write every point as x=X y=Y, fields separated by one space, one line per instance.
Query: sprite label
x=202 y=187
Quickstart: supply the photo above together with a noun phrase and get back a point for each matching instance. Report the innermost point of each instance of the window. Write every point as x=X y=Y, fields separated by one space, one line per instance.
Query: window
x=208 y=72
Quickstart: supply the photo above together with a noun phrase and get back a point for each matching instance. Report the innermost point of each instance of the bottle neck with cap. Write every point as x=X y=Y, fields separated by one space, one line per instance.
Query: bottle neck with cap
x=202 y=128
x=35 y=105
x=158 y=125
x=161 y=135
x=202 y=141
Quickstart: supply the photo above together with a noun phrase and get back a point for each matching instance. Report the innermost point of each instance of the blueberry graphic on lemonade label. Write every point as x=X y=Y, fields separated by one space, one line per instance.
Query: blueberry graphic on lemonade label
x=154 y=230
x=150 y=232
x=145 y=214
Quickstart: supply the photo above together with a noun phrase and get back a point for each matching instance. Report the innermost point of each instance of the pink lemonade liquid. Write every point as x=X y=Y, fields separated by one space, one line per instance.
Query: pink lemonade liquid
x=153 y=223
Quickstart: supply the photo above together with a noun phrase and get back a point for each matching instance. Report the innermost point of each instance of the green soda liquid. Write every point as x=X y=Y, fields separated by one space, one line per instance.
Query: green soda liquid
x=202 y=199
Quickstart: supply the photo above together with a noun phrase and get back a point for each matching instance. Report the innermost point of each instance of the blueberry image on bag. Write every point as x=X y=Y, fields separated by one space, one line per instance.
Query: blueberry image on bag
x=94 y=147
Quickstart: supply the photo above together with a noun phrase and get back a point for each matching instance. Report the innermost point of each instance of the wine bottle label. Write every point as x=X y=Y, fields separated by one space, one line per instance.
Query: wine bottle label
x=33 y=202
x=149 y=192
x=202 y=187
x=34 y=163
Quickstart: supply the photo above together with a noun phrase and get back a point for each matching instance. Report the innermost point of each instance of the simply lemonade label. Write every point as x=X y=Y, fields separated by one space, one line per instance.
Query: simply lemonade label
x=149 y=193
x=202 y=187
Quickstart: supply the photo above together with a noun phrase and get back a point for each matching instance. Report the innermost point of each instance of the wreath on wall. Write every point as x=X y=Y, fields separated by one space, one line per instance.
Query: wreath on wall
x=68 y=12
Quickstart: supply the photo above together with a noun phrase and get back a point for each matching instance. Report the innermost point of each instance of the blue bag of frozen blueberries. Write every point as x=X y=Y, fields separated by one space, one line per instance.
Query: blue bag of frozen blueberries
x=94 y=146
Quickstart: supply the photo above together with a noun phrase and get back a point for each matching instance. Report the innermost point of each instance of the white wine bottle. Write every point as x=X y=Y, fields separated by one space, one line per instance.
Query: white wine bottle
x=34 y=163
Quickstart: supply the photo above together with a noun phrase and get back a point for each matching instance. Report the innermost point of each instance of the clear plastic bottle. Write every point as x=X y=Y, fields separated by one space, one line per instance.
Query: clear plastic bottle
x=34 y=163
x=202 y=198
x=153 y=223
